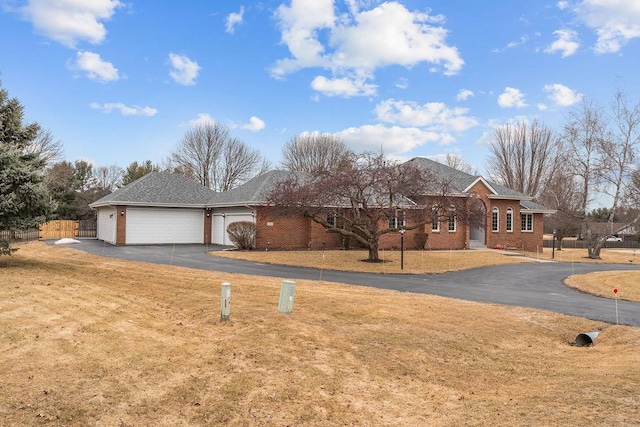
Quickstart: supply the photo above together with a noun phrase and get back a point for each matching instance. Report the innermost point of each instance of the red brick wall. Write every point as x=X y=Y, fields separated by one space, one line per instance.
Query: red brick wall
x=281 y=232
x=207 y=226
x=121 y=225
x=298 y=232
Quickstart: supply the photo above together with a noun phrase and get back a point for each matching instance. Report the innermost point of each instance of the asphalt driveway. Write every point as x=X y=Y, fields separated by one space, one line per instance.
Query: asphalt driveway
x=534 y=285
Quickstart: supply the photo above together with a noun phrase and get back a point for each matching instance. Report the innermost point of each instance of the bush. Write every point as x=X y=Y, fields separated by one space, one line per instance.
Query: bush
x=5 y=248
x=242 y=234
x=421 y=239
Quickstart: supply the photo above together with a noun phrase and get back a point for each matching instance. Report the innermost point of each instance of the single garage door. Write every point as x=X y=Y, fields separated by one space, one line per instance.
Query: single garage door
x=220 y=223
x=149 y=226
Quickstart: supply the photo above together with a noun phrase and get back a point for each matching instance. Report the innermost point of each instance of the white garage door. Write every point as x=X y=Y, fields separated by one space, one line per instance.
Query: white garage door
x=107 y=225
x=220 y=223
x=161 y=226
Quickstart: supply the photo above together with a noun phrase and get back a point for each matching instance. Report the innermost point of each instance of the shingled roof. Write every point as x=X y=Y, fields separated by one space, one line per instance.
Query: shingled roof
x=252 y=192
x=461 y=182
x=159 y=189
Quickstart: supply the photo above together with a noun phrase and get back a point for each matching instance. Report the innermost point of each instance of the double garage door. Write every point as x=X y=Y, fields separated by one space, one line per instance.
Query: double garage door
x=149 y=226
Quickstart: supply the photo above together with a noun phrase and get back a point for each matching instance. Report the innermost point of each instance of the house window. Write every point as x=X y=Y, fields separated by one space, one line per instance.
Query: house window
x=397 y=222
x=334 y=220
x=495 y=219
x=452 y=219
x=509 y=220
x=435 y=219
x=527 y=222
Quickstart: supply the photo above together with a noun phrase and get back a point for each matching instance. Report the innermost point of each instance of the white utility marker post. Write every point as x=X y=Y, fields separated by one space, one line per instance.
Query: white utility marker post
x=287 y=294
x=225 y=301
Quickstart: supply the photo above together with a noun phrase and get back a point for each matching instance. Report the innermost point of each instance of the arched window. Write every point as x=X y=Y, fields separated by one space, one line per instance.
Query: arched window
x=435 y=219
x=495 y=220
x=509 y=220
x=452 y=219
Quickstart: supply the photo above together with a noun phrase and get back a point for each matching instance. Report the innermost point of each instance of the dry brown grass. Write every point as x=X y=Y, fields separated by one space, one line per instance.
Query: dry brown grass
x=96 y=341
x=415 y=262
x=602 y=283
x=609 y=256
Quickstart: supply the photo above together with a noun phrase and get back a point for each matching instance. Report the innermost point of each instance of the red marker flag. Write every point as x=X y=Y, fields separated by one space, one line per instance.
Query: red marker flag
x=615 y=290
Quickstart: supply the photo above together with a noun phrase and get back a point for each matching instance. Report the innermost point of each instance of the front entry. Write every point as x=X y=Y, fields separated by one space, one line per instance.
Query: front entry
x=477 y=235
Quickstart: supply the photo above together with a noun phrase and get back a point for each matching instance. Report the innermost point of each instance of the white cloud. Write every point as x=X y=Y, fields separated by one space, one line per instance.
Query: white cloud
x=124 y=109
x=566 y=43
x=402 y=83
x=561 y=95
x=358 y=42
x=70 y=21
x=255 y=124
x=184 y=71
x=614 y=21
x=392 y=140
x=523 y=39
x=202 y=119
x=563 y=4
x=436 y=116
x=234 y=19
x=464 y=94
x=511 y=97
x=343 y=87
x=95 y=67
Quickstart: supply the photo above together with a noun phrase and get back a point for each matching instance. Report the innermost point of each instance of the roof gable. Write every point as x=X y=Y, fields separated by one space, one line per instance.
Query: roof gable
x=159 y=189
x=461 y=182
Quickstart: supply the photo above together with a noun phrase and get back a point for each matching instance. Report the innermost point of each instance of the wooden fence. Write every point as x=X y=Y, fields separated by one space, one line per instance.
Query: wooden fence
x=60 y=229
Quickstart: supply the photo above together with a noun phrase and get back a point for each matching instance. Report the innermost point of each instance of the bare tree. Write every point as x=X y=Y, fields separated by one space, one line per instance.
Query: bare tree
x=603 y=151
x=108 y=177
x=210 y=155
x=523 y=156
x=315 y=152
x=45 y=148
x=561 y=194
x=370 y=197
x=457 y=162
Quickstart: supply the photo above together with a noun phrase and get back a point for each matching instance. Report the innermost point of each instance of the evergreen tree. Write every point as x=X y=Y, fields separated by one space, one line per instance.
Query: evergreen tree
x=135 y=171
x=23 y=197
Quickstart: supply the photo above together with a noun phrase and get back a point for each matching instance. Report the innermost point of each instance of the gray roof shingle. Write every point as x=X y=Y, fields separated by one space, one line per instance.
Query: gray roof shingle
x=252 y=192
x=159 y=189
x=461 y=181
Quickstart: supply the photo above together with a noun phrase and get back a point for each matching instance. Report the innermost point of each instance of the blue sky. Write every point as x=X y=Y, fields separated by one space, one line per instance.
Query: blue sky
x=122 y=81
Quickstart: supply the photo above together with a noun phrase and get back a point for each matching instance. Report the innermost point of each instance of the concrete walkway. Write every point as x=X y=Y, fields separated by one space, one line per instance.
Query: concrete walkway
x=534 y=285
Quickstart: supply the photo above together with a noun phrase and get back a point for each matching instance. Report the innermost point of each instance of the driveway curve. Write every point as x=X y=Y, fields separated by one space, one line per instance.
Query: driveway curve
x=533 y=285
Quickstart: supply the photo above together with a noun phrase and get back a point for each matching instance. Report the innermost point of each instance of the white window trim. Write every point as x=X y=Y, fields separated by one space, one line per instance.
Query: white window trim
x=399 y=223
x=523 y=230
x=452 y=214
x=509 y=213
x=435 y=220
x=495 y=211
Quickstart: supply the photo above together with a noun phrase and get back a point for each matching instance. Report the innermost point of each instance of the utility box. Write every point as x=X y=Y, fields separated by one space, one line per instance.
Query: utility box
x=287 y=294
x=225 y=301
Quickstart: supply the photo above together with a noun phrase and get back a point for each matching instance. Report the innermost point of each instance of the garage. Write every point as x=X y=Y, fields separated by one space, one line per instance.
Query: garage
x=106 y=224
x=222 y=218
x=148 y=226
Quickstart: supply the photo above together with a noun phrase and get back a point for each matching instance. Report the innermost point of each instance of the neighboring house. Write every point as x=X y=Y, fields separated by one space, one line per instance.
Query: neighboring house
x=168 y=208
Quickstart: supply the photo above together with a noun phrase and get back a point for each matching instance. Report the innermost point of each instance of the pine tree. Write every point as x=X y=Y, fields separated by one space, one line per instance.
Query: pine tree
x=23 y=199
